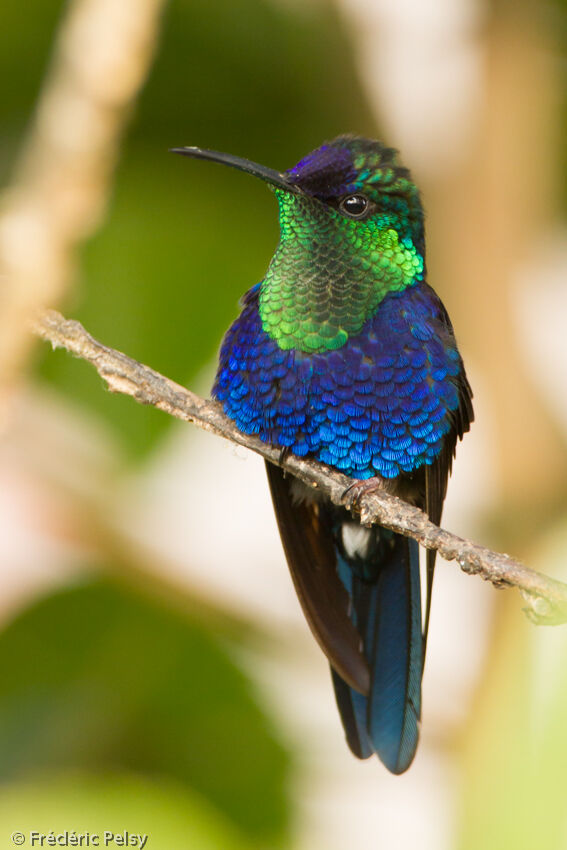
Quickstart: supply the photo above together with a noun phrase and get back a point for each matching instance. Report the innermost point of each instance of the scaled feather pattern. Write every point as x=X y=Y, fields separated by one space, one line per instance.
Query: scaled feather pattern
x=381 y=404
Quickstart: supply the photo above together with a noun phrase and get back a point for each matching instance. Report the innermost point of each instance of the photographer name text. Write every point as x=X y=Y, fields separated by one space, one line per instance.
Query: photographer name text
x=71 y=838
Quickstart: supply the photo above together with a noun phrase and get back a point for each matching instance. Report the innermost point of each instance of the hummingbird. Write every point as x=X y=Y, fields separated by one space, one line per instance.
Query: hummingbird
x=343 y=353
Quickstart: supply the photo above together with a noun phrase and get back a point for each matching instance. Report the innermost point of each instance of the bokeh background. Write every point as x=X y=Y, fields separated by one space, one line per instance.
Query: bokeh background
x=156 y=674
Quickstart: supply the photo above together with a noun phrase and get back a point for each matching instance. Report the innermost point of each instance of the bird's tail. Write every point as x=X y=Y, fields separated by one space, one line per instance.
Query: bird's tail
x=384 y=589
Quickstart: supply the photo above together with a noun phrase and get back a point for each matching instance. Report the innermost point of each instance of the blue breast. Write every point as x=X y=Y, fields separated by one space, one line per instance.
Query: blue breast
x=381 y=404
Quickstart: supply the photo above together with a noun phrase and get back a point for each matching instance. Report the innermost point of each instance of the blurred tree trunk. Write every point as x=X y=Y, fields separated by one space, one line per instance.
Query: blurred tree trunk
x=501 y=204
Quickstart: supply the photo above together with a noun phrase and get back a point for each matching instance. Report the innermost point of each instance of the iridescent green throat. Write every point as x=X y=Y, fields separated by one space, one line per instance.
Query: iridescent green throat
x=330 y=273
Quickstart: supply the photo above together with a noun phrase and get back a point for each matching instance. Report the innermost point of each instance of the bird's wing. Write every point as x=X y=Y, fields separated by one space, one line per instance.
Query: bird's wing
x=312 y=561
x=437 y=475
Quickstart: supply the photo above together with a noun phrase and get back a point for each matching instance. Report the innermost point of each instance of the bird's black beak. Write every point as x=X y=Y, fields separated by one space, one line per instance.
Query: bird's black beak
x=269 y=175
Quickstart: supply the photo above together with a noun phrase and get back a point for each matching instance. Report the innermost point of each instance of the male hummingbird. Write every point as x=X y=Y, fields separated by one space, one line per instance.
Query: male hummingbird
x=345 y=354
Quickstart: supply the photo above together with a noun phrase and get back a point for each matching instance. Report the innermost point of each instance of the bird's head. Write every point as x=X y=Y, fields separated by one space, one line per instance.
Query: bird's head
x=362 y=181
x=351 y=226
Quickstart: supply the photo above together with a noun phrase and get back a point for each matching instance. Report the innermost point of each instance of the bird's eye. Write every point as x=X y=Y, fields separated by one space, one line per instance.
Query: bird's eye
x=354 y=206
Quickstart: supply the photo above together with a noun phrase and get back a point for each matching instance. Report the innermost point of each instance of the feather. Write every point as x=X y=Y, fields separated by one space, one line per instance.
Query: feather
x=437 y=475
x=387 y=612
x=359 y=589
x=312 y=561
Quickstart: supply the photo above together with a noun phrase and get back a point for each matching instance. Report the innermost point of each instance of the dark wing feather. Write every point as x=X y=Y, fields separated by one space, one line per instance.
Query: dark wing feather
x=437 y=475
x=353 y=721
x=313 y=565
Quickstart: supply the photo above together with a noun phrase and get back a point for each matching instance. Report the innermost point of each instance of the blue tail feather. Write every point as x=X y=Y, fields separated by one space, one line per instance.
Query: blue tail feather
x=360 y=589
x=387 y=613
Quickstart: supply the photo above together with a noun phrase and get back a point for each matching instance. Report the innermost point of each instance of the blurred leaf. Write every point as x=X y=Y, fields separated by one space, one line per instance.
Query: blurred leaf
x=96 y=679
x=260 y=76
x=26 y=41
x=171 y=817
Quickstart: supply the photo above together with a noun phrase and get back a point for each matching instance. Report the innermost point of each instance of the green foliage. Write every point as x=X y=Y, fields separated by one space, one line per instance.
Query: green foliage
x=26 y=41
x=98 y=680
x=172 y=817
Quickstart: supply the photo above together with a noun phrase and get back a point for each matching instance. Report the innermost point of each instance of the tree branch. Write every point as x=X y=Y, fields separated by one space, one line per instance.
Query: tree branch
x=546 y=597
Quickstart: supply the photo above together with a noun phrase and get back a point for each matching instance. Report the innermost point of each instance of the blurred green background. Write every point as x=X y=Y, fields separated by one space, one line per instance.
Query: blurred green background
x=124 y=703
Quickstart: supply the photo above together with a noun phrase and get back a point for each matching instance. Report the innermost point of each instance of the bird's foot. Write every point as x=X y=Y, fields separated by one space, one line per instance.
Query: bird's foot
x=355 y=491
x=283 y=457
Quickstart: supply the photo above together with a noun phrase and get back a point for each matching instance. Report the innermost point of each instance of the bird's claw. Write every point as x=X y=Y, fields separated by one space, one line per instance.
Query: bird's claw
x=354 y=492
